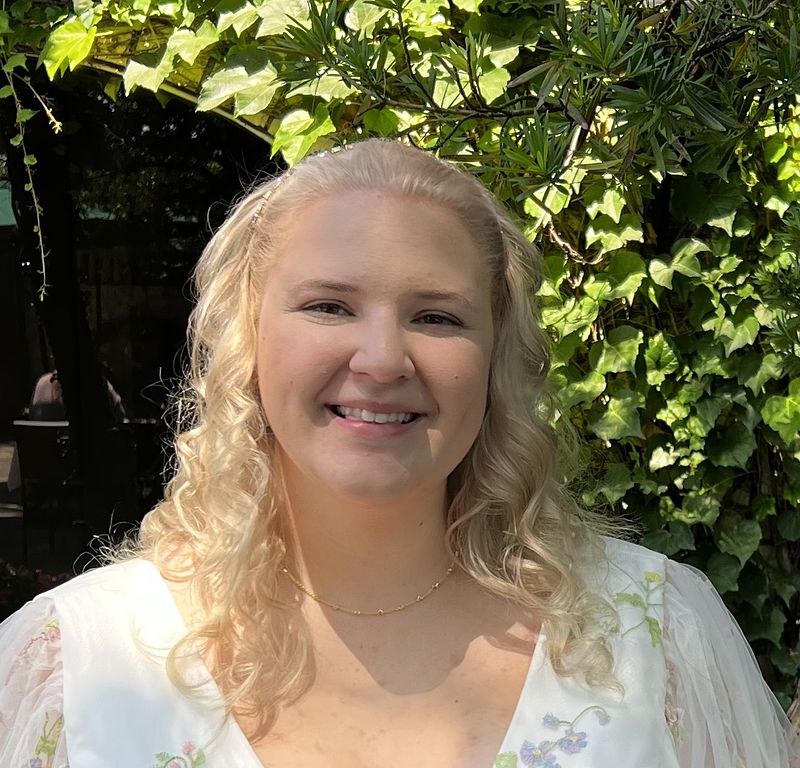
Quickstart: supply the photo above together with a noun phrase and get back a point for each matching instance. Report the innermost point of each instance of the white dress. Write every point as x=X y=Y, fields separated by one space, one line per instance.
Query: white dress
x=83 y=684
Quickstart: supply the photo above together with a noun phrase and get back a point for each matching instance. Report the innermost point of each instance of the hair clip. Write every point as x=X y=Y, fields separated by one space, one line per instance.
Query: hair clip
x=266 y=195
x=285 y=175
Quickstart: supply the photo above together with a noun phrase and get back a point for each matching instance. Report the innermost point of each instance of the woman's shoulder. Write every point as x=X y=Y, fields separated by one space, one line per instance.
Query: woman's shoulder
x=618 y=566
x=114 y=575
x=127 y=576
x=622 y=552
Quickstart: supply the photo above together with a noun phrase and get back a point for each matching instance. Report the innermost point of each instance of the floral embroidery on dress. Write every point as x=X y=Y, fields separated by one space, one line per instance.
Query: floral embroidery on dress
x=191 y=757
x=45 y=752
x=50 y=634
x=645 y=601
x=546 y=753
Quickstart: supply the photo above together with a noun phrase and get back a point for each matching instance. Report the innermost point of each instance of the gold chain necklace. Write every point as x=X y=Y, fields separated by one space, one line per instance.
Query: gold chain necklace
x=381 y=611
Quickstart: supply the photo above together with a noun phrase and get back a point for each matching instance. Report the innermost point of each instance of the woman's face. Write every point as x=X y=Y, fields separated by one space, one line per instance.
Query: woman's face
x=375 y=339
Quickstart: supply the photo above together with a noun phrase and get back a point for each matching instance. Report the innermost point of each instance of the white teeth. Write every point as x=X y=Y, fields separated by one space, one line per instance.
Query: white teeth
x=360 y=414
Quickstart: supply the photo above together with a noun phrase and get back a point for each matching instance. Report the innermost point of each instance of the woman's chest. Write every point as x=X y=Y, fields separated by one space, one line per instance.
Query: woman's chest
x=352 y=720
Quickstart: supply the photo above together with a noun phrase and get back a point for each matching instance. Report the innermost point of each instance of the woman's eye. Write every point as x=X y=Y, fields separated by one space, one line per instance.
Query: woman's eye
x=326 y=308
x=434 y=318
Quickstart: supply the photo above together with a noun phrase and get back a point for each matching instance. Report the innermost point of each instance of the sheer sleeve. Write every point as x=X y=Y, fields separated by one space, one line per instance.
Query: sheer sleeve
x=721 y=712
x=31 y=711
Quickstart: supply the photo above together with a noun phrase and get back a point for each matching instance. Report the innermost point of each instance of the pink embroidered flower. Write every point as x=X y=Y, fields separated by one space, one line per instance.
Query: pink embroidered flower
x=188 y=747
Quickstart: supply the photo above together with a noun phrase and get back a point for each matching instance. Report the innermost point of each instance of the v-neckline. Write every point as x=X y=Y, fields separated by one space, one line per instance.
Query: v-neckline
x=232 y=726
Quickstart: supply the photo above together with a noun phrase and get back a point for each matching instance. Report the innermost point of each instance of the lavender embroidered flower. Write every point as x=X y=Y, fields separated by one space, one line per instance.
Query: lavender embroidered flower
x=573 y=742
x=538 y=754
x=550 y=721
x=543 y=754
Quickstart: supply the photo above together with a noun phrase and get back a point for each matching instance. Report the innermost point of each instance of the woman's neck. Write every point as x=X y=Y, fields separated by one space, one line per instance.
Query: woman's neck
x=366 y=556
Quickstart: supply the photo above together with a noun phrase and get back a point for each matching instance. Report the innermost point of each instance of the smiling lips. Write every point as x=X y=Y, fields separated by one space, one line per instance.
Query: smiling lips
x=372 y=417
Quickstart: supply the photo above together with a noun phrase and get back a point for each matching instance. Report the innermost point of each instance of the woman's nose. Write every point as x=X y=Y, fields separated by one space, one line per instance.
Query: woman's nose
x=381 y=351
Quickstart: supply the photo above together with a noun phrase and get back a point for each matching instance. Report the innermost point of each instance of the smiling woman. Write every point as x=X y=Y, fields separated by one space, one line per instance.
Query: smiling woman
x=365 y=557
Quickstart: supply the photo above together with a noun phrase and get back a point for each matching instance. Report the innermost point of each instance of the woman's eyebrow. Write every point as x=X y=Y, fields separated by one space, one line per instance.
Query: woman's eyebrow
x=326 y=285
x=451 y=296
x=337 y=286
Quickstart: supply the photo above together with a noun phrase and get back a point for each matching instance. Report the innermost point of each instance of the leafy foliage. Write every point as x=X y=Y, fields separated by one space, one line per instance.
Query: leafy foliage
x=652 y=149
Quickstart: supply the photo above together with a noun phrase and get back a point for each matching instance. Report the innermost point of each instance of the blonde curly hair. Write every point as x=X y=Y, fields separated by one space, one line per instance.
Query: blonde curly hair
x=511 y=525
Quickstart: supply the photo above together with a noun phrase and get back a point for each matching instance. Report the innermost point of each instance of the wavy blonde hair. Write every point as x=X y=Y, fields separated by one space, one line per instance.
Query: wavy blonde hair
x=511 y=524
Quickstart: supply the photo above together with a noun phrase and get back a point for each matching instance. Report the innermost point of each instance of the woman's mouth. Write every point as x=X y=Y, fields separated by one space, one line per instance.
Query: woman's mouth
x=372 y=417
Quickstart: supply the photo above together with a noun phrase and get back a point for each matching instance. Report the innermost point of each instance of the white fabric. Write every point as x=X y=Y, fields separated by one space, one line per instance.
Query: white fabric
x=92 y=650
x=31 y=692
x=726 y=714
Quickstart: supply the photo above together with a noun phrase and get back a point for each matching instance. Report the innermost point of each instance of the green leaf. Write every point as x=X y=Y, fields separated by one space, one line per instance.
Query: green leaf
x=298 y=132
x=785 y=660
x=571 y=316
x=763 y=507
x=654 y=628
x=239 y=14
x=754 y=370
x=739 y=538
x=731 y=446
x=6 y=91
x=660 y=359
x=676 y=537
x=625 y=272
x=775 y=148
x=698 y=507
x=492 y=84
x=684 y=256
x=618 y=352
x=786 y=590
x=111 y=87
x=188 y=44
x=68 y=44
x=15 y=61
x=630 y=598
x=766 y=627
x=24 y=114
x=363 y=15
x=620 y=279
x=783 y=413
x=506 y=760
x=662 y=456
x=723 y=570
x=599 y=198
x=147 y=71
x=613 y=235
x=248 y=76
x=29 y=160
x=771 y=199
x=276 y=16
x=788 y=523
x=661 y=273
x=383 y=122
x=257 y=93
x=621 y=417
x=4 y=26
x=708 y=410
x=583 y=390
x=617 y=481
x=221 y=86
x=714 y=205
